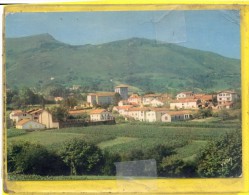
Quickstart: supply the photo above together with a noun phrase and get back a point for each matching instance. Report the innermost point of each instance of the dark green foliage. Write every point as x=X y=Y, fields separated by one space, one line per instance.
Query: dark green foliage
x=24 y=97
x=59 y=113
x=82 y=158
x=175 y=167
x=69 y=102
x=203 y=113
x=116 y=99
x=224 y=114
x=109 y=166
x=27 y=158
x=223 y=157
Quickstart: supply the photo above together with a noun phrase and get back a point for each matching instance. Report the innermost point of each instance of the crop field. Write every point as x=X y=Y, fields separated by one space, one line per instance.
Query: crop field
x=187 y=138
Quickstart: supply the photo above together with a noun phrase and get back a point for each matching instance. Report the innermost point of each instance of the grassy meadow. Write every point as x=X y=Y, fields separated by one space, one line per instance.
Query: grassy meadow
x=187 y=138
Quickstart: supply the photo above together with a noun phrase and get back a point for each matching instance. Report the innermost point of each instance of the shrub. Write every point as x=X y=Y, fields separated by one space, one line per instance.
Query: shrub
x=28 y=158
x=223 y=157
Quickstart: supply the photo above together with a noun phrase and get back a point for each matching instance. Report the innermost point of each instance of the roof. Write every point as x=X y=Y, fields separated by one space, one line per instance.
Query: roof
x=134 y=96
x=23 y=121
x=105 y=94
x=122 y=85
x=139 y=109
x=180 y=112
x=125 y=107
x=227 y=91
x=76 y=112
x=34 y=111
x=184 y=100
x=153 y=95
x=102 y=94
x=16 y=112
x=97 y=111
x=186 y=92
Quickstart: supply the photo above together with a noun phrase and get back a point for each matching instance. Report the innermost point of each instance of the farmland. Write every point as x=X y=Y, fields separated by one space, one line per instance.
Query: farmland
x=187 y=138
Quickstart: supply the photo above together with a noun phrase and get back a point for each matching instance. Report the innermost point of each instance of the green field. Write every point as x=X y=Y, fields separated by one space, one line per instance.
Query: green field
x=187 y=138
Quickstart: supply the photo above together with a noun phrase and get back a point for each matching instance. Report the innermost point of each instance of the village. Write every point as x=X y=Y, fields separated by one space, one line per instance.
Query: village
x=151 y=107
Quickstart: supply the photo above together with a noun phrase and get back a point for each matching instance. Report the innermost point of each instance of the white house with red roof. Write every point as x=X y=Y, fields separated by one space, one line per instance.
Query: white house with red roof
x=100 y=98
x=226 y=99
x=176 y=116
x=100 y=115
x=185 y=94
x=17 y=115
x=184 y=104
x=29 y=124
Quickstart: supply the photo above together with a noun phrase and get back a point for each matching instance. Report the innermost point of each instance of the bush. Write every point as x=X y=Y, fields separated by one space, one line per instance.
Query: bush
x=223 y=157
x=109 y=166
x=28 y=158
x=175 y=167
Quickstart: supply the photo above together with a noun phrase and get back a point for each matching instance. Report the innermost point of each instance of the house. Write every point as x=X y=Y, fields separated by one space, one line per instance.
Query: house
x=17 y=115
x=137 y=113
x=100 y=98
x=226 y=99
x=184 y=104
x=29 y=124
x=35 y=114
x=58 y=99
x=135 y=99
x=185 y=94
x=122 y=110
x=156 y=103
x=46 y=119
x=176 y=116
x=122 y=90
x=100 y=115
x=123 y=102
x=146 y=99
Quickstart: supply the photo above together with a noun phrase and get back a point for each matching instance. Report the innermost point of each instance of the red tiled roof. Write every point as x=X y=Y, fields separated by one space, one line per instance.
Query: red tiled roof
x=184 y=100
x=125 y=107
x=153 y=95
x=227 y=91
x=97 y=111
x=72 y=112
x=34 y=111
x=23 y=121
x=122 y=85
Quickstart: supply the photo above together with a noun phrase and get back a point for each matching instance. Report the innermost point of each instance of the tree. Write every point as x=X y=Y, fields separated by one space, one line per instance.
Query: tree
x=69 y=102
x=223 y=157
x=81 y=157
x=203 y=113
x=117 y=97
x=173 y=166
x=28 y=158
x=109 y=166
x=59 y=113
x=224 y=114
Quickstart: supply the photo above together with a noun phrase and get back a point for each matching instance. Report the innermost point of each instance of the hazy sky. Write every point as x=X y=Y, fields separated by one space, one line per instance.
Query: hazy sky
x=216 y=31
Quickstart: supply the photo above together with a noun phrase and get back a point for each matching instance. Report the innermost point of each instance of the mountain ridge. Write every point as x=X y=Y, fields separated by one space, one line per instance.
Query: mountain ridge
x=140 y=62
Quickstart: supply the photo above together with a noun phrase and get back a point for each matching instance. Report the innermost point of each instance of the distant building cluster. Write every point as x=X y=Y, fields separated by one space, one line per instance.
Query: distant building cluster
x=153 y=107
x=162 y=107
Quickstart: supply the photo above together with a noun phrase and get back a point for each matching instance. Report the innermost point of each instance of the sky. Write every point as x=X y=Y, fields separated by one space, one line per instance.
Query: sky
x=214 y=30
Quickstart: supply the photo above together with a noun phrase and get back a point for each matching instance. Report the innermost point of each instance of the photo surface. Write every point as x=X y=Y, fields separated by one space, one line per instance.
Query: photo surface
x=140 y=94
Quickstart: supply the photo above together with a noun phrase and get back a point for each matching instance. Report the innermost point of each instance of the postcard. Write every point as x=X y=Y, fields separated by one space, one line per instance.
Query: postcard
x=121 y=95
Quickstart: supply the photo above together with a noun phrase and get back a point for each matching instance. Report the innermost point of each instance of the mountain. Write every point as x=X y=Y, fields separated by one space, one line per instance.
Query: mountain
x=145 y=64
